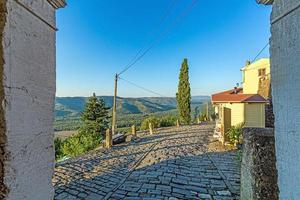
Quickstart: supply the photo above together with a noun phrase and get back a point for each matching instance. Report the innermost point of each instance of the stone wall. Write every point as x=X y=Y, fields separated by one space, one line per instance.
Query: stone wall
x=270 y=118
x=264 y=87
x=28 y=78
x=258 y=175
x=285 y=73
x=3 y=139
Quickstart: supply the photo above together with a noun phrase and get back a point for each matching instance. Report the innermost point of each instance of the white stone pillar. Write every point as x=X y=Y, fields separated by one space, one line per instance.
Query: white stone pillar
x=285 y=73
x=27 y=96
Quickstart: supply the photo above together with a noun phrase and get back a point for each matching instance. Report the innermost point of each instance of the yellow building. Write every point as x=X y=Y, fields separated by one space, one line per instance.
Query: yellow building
x=255 y=75
x=244 y=105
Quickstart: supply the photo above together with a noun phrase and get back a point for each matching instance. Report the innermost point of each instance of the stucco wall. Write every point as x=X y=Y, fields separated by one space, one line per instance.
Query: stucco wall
x=285 y=72
x=237 y=112
x=251 y=78
x=29 y=83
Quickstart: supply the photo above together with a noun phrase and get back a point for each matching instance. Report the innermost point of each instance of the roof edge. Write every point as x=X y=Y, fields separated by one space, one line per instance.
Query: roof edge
x=216 y=102
x=265 y=2
x=57 y=3
x=226 y=91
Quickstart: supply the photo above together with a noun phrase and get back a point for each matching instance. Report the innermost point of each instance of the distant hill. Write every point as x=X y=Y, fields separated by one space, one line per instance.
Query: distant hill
x=71 y=107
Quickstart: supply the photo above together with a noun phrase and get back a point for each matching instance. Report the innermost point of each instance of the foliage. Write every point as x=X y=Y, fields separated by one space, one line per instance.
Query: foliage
x=234 y=133
x=80 y=143
x=154 y=121
x=213 y=116
x=67 y=124
x=130 y=110
x=95 y=116
x=167 y=121
x=163 y=121
x=58 y=148
x=183 y=95
x=94 y=122
x=197 y=112
x=124 y=130
x=71 y=107
x=124 y=122
x=203 y=117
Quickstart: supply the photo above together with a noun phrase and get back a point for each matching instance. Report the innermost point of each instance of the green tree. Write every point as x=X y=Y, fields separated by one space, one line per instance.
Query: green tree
x=95 y=116
x=95 y=120
x=183 y=95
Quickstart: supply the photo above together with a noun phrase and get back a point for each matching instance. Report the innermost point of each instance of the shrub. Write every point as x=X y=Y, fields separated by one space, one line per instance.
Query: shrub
x=58 y=148
x=203 y=118
x=234 y=133
x=80 y=144
x=167 y=121
x=95 y=120
x=154 y=121
x=213 y=116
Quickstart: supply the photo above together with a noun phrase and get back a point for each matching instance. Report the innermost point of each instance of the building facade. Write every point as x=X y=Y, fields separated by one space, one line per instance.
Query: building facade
x=243 y=106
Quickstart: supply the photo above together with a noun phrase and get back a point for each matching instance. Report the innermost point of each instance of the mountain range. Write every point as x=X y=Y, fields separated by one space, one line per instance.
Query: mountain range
x=71 y=107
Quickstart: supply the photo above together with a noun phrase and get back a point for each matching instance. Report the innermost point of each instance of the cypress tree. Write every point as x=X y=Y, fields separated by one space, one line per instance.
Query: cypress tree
x=183 y=95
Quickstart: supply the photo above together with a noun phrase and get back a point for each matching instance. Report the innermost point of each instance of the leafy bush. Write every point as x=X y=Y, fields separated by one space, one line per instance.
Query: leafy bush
x=154 y=121
x=234 y=133
x=203 y=118
x=76 y=145
x=213 y=116
x=95 y=120
x=80 y=144
x=58 y=148
x=167 y=121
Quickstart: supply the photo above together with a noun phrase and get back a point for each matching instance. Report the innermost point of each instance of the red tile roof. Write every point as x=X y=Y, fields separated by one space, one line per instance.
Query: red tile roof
x=237 y=96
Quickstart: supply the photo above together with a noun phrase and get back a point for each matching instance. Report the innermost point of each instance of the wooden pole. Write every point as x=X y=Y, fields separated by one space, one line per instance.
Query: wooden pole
x=150 y=128
x=133 y=128
x=207 y=113
x=108 y=139
x=177 y=123
x=114 y=116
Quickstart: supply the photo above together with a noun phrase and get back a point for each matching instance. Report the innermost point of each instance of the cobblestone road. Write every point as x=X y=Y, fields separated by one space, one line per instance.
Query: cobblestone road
x=172 y=164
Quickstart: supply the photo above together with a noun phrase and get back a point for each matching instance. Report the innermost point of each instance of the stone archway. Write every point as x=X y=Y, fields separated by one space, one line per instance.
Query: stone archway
x=27 y=67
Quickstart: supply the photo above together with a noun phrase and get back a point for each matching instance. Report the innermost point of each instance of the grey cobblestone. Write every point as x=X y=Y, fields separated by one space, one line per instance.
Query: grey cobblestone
x=178 y=167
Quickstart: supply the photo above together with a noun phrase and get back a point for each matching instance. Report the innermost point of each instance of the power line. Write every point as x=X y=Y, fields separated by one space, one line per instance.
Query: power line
x=260 y=52
x=141 y=87
x=154 y=31
x=165 y=33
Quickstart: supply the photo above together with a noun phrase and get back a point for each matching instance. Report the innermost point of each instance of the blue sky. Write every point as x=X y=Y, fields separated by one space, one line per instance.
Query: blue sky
x=98 y=38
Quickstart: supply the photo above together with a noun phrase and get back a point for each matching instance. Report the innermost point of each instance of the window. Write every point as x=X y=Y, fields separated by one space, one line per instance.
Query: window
x=262 y=72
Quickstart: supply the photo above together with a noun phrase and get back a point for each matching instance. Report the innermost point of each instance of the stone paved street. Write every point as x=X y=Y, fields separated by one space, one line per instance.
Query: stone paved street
x=175 y=163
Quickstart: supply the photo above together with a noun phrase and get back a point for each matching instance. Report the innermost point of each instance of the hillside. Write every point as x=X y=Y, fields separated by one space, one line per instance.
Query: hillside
x=71 y=107
x=130 y=110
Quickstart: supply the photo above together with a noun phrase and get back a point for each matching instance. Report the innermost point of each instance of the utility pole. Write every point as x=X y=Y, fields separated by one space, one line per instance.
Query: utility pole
x=114 y=115
x=207 y=112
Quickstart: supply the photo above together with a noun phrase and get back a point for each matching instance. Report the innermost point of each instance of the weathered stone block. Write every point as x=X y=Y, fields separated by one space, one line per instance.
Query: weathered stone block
x=259 y=174
x=108 y=139
x=133 y=129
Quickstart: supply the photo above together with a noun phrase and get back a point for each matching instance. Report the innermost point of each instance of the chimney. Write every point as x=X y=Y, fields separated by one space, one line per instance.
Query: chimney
x=235 y=90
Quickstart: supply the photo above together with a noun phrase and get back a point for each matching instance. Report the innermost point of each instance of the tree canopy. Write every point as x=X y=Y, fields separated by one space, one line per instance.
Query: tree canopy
x=183 y=95
x=95 y=116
